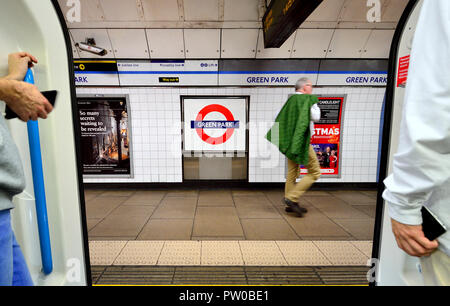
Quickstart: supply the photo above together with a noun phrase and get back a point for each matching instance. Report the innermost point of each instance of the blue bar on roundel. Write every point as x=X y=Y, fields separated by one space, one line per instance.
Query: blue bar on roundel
x=209 y=124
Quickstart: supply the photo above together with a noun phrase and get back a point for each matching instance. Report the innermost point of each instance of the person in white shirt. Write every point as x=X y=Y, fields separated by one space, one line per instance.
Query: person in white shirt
x=421 y=167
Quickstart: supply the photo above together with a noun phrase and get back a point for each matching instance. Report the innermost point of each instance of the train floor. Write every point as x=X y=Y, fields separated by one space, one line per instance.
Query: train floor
x=166 y=231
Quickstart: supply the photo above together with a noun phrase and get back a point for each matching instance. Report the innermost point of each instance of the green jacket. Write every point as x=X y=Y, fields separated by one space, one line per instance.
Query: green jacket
x=294 y=136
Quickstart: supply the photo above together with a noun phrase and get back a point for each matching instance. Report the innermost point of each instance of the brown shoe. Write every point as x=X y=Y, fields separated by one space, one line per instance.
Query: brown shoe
x=289 y=209
x=293 y=207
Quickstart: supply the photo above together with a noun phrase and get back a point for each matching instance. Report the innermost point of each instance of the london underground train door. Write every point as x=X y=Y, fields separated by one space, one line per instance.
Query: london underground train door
x=390 y=265
x=53 y=236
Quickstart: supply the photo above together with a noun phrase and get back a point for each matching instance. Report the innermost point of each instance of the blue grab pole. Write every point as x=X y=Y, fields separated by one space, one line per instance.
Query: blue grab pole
x=39 y=189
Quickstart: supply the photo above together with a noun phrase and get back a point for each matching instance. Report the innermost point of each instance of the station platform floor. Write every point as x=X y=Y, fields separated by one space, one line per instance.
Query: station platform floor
x=229 y=227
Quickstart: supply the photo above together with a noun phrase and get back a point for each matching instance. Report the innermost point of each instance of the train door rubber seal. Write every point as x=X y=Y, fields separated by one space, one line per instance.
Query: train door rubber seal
x=77 y=135
x=392 y=68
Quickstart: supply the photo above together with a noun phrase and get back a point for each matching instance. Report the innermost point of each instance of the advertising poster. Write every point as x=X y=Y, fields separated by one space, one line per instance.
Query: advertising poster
x=105 y=136
x=327 y=139
x=215 y=124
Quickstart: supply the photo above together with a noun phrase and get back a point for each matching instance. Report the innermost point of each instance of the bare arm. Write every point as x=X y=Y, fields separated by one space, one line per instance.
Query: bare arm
x=23 y=98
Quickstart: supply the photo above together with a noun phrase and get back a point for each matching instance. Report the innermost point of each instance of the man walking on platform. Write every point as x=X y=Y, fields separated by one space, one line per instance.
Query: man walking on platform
x=295 y=125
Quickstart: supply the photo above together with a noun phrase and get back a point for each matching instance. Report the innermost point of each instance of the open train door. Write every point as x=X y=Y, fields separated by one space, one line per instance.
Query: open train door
x=390 y=265
x=53 y=237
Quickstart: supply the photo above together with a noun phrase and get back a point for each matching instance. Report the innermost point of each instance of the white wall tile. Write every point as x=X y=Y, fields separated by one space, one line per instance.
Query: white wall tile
x=157 y=141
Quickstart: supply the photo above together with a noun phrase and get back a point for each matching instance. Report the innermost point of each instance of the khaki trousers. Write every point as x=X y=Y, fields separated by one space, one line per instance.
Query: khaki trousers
x=293 y=191
x=436 y=269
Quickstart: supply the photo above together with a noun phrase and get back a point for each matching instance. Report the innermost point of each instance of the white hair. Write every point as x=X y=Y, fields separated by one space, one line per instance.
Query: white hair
x=301 y=82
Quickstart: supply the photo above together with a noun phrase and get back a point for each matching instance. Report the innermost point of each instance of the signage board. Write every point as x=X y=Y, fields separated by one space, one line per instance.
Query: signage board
x=284 y=17
x=347 y=72
x=214 y=124
x=274 y=72
x=168 y=73
x=257 y=73
x=352 y=78
x=96 y=73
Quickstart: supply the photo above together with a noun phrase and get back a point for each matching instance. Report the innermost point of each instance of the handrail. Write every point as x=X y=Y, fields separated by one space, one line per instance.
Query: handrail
x=39 y=189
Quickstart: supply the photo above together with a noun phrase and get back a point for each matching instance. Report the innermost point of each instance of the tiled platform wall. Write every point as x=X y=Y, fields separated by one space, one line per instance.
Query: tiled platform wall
x=156 y=137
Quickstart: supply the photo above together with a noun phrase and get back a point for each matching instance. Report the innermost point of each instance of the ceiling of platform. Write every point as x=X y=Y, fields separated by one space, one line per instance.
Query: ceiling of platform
x=229 y=29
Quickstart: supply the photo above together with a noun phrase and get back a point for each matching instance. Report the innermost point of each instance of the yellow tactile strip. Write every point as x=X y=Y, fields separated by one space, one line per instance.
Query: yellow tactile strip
x=180 y=253
x=341 y=253
x=221 y=253
x=302 y=253
x=142 y=253
x=230 y=253
x=261 y=253
x=105 y=252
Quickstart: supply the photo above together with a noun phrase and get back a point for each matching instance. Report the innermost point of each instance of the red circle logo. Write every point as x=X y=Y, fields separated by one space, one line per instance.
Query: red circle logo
x=220 y=109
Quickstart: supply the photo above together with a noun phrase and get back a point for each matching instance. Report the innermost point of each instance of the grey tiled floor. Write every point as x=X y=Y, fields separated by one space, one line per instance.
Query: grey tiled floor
x=227 y=214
